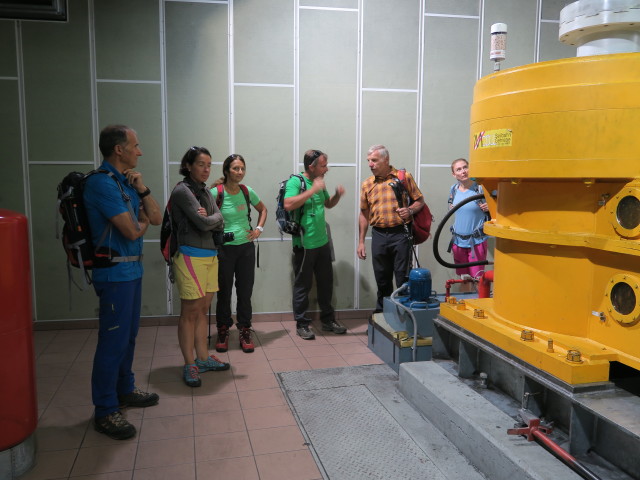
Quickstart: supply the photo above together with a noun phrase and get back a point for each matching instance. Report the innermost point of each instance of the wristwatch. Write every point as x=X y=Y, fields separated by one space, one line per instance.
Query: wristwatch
x=145 y=193
x=260 y=229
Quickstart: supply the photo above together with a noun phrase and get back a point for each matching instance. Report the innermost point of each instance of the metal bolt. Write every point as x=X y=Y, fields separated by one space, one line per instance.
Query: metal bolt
x=526 y=335
x=478 y=313
x=461 y=305
x=550 y=345
x=574 y=356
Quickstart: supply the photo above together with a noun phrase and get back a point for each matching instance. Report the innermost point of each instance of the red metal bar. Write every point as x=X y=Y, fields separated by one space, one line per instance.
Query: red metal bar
x=535 y=431
x=484 y=285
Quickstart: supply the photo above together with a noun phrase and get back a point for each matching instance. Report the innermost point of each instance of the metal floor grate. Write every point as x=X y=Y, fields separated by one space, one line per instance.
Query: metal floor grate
x=359 y=427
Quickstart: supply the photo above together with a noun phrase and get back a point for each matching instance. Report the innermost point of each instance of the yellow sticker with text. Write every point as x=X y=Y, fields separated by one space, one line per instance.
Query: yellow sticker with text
x=492 y=138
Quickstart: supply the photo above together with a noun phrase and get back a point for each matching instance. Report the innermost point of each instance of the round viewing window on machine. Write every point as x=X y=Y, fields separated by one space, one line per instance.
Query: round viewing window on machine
x=623 y=298
x=624 y=212
x=628 y=212
x=622 y=294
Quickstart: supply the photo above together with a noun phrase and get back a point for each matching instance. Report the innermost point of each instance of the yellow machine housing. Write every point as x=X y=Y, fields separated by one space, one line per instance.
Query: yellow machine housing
x=560 y=143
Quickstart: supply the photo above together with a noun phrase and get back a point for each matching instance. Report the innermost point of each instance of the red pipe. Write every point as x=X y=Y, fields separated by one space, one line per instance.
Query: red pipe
x=452 y=281
x=484 y=285
x=565 y=456
x=535 y=431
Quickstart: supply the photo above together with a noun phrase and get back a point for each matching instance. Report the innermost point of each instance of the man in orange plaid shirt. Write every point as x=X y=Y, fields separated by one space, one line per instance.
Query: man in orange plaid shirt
x=390 y=244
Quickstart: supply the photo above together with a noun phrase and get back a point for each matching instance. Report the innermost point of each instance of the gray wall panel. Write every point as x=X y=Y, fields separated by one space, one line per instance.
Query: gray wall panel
x=197 y=78
x=120 y=24
x=263 y=41
x=387 y=31
x=264 y=135
x=550 y=47
x=154 y=281
x=8 y=66
x=58 y=88
x=11 y=181
x=328 y=83
x=368 y=290
x=274 y=278
x=330 y=3
x=551 y=9
x=389 y=118
x=447 y=7
x=138 y=106
x=340 y=219
x=448 y=88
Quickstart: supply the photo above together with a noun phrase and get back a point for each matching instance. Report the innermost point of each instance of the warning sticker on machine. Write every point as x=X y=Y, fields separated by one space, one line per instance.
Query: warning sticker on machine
x=492 y=138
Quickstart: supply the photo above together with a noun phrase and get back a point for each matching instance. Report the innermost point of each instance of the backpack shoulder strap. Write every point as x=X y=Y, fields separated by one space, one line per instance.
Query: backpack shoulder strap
x=402 y=176
x=245 y=191
x=220 y=196
x=303 y=183
x=452 y=193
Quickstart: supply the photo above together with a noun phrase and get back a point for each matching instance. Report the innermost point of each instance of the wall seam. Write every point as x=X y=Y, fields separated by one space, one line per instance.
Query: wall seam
x=480 y=44
x=231 y=75
x=95 y=127
x=358 y=152
x=24 y=146
x=162 y=33
x=296 y=83
x=536 y=43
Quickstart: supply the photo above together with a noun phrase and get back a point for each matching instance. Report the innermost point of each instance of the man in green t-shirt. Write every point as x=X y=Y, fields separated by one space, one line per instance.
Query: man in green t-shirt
x=311 y=250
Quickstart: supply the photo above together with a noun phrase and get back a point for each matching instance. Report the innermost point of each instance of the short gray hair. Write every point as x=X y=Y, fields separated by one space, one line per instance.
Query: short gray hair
x=379 y=148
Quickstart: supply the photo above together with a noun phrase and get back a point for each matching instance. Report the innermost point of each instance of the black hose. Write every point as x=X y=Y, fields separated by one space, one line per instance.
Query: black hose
x=436 y=236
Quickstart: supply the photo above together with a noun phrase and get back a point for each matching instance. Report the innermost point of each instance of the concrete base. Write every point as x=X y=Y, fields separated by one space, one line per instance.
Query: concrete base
x=476 y=427
x=18 y=460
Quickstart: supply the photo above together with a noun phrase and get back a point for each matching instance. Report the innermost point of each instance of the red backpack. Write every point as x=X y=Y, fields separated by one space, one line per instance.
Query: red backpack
x=422 y=220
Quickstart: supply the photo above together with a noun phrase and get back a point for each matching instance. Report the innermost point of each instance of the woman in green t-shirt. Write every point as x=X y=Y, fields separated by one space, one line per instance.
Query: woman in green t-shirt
x=237 y=257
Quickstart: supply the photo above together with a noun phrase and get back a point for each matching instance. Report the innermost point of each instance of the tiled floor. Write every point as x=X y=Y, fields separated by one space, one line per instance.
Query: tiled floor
x=237 y=425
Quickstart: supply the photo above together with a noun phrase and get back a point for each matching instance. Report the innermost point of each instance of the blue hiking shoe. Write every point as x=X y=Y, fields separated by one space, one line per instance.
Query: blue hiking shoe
x=191 y=375
x=211 y=364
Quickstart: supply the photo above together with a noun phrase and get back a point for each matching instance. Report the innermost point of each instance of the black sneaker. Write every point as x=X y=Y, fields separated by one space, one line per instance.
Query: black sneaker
x=138 y=398
x=334 y=327
x=115 y=426
x=305 y=332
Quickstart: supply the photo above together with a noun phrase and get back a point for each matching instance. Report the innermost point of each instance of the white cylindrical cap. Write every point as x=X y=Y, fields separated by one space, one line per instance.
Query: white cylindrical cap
x=499 y=28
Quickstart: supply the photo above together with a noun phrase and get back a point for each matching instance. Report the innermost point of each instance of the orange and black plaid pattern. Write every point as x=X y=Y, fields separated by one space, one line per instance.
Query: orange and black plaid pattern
x=377 y=196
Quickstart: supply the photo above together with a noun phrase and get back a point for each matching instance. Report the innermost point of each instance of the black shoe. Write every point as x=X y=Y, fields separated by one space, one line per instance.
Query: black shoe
x=138 y=398
x=334 y=327
x=305 y=332
x=115 y=426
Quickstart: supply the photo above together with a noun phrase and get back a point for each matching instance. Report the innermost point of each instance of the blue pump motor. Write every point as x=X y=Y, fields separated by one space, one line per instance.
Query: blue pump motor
x=419 y=284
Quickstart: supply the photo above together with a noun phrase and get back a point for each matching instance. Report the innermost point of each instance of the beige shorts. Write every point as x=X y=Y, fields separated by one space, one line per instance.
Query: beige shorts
x=195 y=276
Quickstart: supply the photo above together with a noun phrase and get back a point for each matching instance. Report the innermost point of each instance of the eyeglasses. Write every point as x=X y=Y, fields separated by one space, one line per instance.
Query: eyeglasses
x=194 y=148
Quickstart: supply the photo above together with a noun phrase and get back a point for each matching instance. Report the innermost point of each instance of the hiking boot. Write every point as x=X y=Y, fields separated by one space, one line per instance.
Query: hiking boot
x=191 y=375
x=115 y=426
x=212 y=364
x=305 y=332
x=246 y=344
x=334 y=327
x=222 y=344
x=138 y=398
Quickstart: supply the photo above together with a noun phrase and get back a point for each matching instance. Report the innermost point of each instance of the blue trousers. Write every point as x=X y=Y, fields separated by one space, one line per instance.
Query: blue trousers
x=119 y=322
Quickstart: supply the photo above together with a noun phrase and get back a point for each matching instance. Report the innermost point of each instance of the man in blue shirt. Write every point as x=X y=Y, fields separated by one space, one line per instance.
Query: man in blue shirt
x=119 y=208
